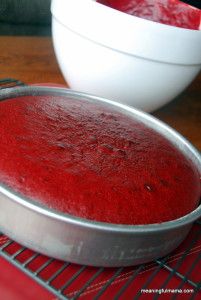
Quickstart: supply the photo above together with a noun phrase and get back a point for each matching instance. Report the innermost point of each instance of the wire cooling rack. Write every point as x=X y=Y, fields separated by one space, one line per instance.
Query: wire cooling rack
x=175 y=275
x=178 y=273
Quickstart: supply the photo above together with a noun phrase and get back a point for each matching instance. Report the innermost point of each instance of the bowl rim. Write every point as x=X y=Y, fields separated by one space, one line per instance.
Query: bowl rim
x=191 y=153
x=149 y=40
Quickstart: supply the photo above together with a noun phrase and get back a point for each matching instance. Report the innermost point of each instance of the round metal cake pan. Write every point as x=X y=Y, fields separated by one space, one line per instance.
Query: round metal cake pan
x=81 y=241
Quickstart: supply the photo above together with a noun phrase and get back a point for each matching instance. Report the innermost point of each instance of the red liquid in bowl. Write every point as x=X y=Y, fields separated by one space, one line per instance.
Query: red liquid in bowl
x=92 y=162
x=170 y=12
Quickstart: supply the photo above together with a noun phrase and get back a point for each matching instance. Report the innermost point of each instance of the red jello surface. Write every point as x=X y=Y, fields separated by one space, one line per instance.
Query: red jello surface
x=170 y=12
x=92 y=162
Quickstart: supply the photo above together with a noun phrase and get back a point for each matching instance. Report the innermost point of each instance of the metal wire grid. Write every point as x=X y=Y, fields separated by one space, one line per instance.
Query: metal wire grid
x=9 y=83
x=24 y=259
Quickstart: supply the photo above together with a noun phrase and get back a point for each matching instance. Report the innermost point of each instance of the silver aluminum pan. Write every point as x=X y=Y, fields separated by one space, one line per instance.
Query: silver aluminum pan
x=78 y=240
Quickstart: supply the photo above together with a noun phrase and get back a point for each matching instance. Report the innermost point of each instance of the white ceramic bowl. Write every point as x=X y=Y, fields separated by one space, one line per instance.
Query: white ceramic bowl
x=112 y=54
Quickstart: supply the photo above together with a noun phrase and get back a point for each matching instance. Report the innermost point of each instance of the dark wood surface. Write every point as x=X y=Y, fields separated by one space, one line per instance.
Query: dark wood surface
x=32 y=60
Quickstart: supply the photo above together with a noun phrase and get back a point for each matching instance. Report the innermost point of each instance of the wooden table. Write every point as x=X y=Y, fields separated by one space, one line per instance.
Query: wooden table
x=32 y=60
